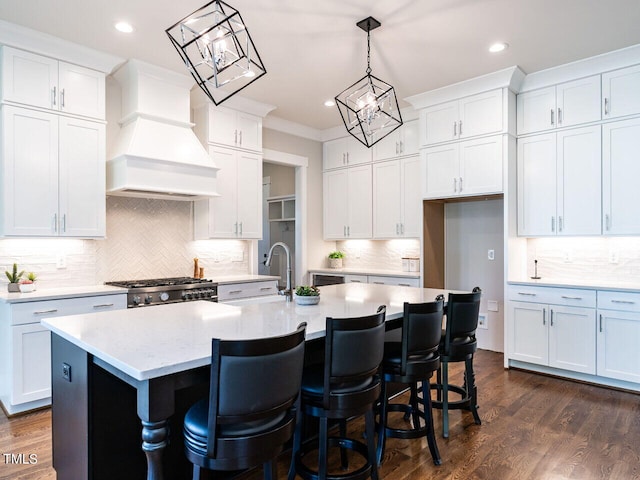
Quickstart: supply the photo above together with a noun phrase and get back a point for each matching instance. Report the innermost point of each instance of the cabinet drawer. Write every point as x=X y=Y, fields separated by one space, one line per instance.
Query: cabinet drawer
x=245 y=290
x=624 y=301
x=33 y=312
x=400 y=281
x=356 y=279
x=554 y=296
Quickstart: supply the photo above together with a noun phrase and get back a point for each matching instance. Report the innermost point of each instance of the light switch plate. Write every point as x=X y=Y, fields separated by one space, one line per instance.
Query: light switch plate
x=492 y=305
x=482 y=321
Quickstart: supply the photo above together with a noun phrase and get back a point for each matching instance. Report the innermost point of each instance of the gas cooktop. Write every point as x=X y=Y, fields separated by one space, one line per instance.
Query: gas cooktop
x=159 y=282
x=157 y=291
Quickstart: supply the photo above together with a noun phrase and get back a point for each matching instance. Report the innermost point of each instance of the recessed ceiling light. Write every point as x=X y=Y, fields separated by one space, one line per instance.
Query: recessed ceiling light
x=329 y=103
x=124 y=27
x=498 y=47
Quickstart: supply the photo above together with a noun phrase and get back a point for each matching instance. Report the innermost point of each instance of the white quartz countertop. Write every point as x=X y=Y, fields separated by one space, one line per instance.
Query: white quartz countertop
x=231 y=279
x=155 y=341
x=590 y=284
x=62 y=292
x=366 y=271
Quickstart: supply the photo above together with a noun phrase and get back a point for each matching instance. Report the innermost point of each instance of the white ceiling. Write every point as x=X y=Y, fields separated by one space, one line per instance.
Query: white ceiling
x=313 y=50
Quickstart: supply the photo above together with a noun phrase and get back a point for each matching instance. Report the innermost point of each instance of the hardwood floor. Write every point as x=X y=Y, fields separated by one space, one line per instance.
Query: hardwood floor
x=533 y=427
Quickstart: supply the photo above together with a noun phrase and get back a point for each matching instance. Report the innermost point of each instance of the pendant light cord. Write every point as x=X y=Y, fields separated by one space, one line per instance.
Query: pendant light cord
x=368 y=49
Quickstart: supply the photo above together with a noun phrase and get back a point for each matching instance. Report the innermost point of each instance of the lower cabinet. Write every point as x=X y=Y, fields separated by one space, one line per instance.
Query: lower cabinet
x=234 y=291
x=619 y=335
x=546 y=329
x=25 y=358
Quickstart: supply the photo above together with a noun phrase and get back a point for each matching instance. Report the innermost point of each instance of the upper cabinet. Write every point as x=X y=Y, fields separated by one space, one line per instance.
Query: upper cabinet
x=563 y=105
x=38 y=81
x=471 y=116
x=347 y=203
x=53 y=175
x=621 y=92
x=229 y=128
x=344 y=152
x=399 y=143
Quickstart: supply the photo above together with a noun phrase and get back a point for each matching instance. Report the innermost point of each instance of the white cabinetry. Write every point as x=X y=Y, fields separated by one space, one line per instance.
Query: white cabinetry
x=44 y=82
x=619 y=335
x=399 y=143
x=396 y=198
x=553 y=327
x=230 y=128
x=237 y=212
x=620 y=173
x=228 y=292
x=559 y=183
x=344 y=152
x=26 y=356
x=53 y=175
x=471 y=116
x=347 y=201
x=472 y=167
x=399 y=281
x=621 y=92
x=563 y=105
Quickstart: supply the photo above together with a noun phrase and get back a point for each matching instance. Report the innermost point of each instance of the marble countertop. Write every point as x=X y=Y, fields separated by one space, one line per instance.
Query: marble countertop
x=63 y=292
x=231 y=279
x=620 y=286
x=156 y=341
x=366 y=271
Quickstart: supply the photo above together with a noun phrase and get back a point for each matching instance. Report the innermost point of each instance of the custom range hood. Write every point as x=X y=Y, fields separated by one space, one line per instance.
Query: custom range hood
x=156 y=154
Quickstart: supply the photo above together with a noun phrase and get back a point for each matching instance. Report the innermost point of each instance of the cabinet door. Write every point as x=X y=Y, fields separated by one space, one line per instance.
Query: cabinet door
x=618 y=338
x=29 y=78
x=335 y=192
x=249 y=195
x=249 y=132
x=360 y=202
x=82 y=178
x=440 y=123
x=620 y=173
x=30 y=172
x=535 y=110
x=578 y=101
x=334 y=154
x=442 y=171
x=411 y=198
x=572 y=339
x=481 y=166
x=536 y=171
x=31 y=363
x=387 y=197
x=223 y=213
x=388 y=147
x=579 y=176
x=528 y=333
x=409 y=142
x=222 y=126
x=621 y=93
x=357 y=153
x=480 y=114
x=82 y=91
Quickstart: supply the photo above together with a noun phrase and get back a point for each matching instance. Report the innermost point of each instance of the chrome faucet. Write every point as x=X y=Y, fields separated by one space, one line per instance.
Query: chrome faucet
x=287 y=291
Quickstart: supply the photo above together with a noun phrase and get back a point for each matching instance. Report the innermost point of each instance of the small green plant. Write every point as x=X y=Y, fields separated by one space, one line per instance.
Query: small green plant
x=307 y=291
x=31 y=278
x=14 y=276
x=336 y=254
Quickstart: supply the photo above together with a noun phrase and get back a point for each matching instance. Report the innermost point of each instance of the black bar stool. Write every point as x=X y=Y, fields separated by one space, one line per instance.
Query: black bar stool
x=346 y=386
x=411 y=361
x=458 y=344
x=251 y=409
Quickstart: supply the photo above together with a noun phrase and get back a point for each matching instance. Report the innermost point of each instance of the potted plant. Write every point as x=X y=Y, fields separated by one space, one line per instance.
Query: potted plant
x=335 y=259
x=307 y=295
x=28 y=285
x=14 y=278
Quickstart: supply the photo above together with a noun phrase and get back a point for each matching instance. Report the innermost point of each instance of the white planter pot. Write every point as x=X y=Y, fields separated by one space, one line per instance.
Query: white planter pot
x=307 y=300
x=335 y=263
x=27 y=287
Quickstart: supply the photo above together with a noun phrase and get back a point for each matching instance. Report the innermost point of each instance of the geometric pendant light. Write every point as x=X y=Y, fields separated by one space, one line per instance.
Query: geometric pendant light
x=369 y=107
x=218 y=51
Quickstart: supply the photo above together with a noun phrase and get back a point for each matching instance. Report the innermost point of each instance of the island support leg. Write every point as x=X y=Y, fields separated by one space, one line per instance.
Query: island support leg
x=154 y=440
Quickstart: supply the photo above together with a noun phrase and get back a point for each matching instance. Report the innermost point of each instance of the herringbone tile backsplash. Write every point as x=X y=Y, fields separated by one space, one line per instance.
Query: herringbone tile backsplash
x=146 y=238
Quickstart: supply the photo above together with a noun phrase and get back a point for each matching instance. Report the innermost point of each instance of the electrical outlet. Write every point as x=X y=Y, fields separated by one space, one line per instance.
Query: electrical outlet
x=482 y=321
x=613 y=257
x=237 y=257
x=61 y=261
x=66 y=372
x=567 y=257
x=491 y=254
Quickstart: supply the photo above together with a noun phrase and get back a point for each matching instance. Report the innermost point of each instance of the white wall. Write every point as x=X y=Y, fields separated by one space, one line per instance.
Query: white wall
x=471 y=229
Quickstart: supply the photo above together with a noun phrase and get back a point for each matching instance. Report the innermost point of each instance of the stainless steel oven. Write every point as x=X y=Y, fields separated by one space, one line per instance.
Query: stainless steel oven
x=160 y=291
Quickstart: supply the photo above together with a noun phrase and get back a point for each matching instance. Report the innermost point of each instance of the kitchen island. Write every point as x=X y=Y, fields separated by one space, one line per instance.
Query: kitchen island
x=113 y=370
